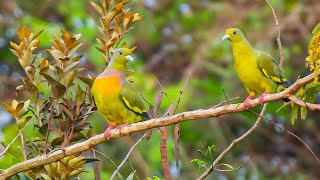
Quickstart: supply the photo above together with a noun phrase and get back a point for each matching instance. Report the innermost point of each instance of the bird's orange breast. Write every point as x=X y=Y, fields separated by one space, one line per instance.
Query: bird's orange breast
x=107 y=85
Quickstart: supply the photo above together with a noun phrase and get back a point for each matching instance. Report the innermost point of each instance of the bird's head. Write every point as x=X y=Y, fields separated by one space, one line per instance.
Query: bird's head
x=120 y=58
x=122 y=55
x=233 y=35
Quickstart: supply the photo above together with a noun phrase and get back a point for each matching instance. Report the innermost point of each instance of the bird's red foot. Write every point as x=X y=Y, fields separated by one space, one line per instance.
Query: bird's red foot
x=121 y=127
x=261 y=98
x=246 y=102
x=107 y=132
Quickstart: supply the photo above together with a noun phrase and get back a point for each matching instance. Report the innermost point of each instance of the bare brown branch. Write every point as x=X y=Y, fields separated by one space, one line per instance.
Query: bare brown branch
x=278 y=36
x=153 y=123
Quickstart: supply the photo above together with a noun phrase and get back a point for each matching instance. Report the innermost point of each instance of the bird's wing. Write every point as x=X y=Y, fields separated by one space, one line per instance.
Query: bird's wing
x=270 y=68
x=132 y=99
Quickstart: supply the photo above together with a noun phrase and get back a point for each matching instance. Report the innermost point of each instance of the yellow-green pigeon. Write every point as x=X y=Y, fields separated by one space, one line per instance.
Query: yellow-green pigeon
x=116 y=98
x=258 y=71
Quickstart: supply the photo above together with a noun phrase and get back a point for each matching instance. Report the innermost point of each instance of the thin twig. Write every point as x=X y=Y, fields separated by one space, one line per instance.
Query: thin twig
x=127 y=156
x=96 y=170
x=278 y=36
x=23 y=146
x=146 y=100
x=291 y=133
x=232 y=170
x=133 y=170
x=182 y=93
x=225 y=102
x=225 y=95
x=10 y=144
x=234 y=142
x=49 y=129
x=114 y=164
x=163 y=90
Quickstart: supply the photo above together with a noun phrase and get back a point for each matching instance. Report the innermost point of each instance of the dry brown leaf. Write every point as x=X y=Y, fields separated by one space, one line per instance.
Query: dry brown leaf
x=163 y=153
x=98 y=8
x=176 y=143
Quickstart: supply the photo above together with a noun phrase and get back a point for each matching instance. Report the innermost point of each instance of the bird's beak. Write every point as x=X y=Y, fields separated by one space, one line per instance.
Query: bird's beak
x=129 y=58
x=226 y=37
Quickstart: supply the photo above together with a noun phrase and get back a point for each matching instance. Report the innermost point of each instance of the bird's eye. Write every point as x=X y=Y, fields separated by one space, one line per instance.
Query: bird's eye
x=234 y=32
x=120 y=52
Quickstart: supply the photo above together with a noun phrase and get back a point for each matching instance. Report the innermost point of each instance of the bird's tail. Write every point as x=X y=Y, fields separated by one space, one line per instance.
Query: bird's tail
x=146 y=116
x=284 y=85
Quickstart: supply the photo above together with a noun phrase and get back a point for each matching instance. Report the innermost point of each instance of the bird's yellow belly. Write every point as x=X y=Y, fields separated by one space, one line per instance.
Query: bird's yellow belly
x=252 y=78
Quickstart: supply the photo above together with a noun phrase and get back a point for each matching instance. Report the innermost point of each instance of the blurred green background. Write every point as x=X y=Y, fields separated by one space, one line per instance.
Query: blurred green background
x=174 y=39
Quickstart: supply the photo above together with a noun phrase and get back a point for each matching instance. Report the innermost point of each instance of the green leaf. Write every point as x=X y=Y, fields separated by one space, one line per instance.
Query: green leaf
x=57 y=141
x=80 y=96
x=58 y=73
x=77 y=136
x=74 y=49
x=19 y=107
x=70 y=67
x=88 y=81
x=43 y=129
x=316 y=29
x=294 y=113
x=45 y=177
x=37 y=35
x=90 y=160
x=130 y=177
x=199 y=162
x=227 y=165
x=57 y=88
x=303 y=112
x=69 y=78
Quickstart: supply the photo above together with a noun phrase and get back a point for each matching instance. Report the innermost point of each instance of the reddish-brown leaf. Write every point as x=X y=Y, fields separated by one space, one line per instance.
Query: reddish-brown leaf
x=105 y=4
x=57 y=43
x=176 y=143
x=65 y=109
x=127 y=22
x=119 y=18
x=119 y=7
x=24 y=34
x=151 y=111
x=102 y=50
x=149 y=134
x=19 y=107
x=157 y=103
x=65 y=36
x=163 y=153
x=124 y=45
x=136 y=17
x=98 y=8
x=86 y=80
x=108 y=18
x=133 y=48
x=126 y=2
x=101 y=41
x=151 y=114
x=10 y=109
